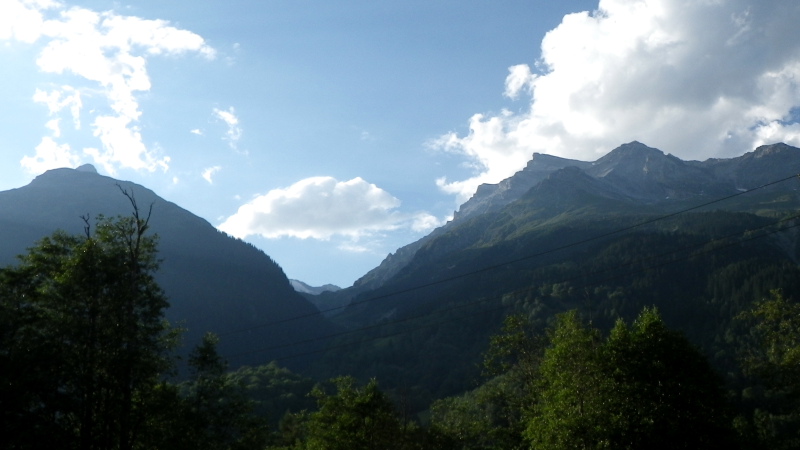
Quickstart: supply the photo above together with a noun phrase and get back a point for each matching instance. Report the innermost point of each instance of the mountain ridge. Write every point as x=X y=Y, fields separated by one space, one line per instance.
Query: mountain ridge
x=633 y=170
x=214 y=282
x=699 y=248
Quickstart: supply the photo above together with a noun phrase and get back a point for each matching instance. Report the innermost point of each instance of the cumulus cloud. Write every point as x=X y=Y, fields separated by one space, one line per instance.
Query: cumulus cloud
x=697 y=79
x=50 y=155
x=323 y=207
x=108 y=53
x=519 y=78
x=23 y=20
x=234 y=132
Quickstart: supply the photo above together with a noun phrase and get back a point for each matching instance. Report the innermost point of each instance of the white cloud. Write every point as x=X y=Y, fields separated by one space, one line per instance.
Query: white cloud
x=108 y=53
x=49 y=155
x=23 y=20
x=697 y=79
x=208 y=173
x=54 y=126
x=366 y=136
x=196 y=131
x=519 y=78
x=123 y=146
x=234 y=132
x=323 y=207
x=425 y=222
x=353 y=246
x=59 y=99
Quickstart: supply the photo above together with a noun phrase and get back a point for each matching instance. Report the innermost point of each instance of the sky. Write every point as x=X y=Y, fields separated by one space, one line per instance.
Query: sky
x=329 y=134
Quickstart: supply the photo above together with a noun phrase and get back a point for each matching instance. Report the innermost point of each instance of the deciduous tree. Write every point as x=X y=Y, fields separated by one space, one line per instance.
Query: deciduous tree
x=86 y=316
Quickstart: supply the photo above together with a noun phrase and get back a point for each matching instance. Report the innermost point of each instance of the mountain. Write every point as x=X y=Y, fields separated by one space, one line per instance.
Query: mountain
x=492 y=197
x=487 y=198
x=304 y=288
x=213 y=281
x=633 y=170
x=316 y=295
x=701 y=240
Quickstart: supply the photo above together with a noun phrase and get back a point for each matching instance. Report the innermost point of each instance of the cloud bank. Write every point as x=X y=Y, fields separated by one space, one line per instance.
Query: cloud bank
x=323 y=207
x=108 y=53
x=695 y=78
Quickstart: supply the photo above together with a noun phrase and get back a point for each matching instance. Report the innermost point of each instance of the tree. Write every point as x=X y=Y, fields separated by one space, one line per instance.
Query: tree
x=87 y=317
x=216 y=409
x=487 y=418
x=571 y=407
x=776 y=355
x=644 y=387
x=664 y=393
x=353 y=418
x=773 y=360
x=492 y=416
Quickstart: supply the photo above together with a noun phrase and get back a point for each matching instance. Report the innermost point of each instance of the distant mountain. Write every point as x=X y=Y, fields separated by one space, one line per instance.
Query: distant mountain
x=319 y=297
x=304 y=288
x=214 y=282
x=606 y=237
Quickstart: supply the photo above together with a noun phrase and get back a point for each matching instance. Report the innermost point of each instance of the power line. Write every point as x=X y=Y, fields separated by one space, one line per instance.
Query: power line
x=508 y=262
x=500 y=307
x=529 y=289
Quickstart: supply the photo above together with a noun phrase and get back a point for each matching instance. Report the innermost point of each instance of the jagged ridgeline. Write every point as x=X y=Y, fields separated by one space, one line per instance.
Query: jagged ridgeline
x=699 y=240
x=213 y=282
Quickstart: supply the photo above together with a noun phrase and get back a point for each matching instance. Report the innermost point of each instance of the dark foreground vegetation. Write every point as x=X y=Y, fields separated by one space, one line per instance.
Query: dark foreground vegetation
x=87 y=362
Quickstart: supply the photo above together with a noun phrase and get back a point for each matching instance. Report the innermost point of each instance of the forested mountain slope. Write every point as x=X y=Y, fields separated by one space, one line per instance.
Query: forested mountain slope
x=213 y=282
x=699 y=240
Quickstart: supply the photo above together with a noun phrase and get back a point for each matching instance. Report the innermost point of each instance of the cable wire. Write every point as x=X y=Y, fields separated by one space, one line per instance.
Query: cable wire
x=516 y=292
x=509 y=262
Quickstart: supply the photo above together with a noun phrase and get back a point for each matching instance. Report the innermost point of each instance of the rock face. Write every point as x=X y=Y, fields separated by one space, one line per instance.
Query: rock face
x=214 y=282
x=492 y=197
x=632 y=172
x=488 y=198
x=763 y=165
x=647 y=174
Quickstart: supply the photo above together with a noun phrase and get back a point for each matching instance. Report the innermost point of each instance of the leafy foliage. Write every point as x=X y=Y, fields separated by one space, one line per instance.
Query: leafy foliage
x=85 y=314
x=86 y=352
x=773 y=359
x=352 y=417
x=642 y=387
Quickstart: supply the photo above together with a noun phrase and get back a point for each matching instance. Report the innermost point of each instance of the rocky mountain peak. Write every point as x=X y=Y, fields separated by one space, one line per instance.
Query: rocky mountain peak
x=491 y=197
x=773 y=149
x=631 y=157
x=541 y=161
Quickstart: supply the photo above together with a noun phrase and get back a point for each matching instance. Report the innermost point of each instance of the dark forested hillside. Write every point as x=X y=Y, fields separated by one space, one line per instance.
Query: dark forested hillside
x=591 y=291
x=213 y=282
x=701 y=241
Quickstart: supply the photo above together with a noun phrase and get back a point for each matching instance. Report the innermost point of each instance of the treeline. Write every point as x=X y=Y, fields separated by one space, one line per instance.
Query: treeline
x=643 y=386
x=88 y=362
x=424 y=334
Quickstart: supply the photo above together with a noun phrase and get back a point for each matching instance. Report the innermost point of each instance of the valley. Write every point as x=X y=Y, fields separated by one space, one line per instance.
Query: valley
x=634 y=236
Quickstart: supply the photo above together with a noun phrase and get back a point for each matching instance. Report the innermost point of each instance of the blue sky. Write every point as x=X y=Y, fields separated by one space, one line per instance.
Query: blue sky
x=329 y=134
